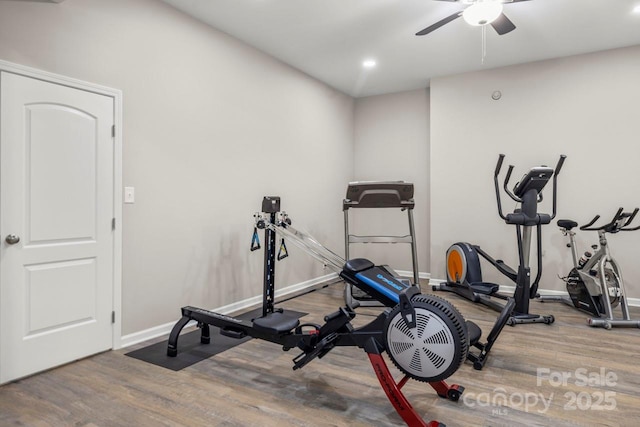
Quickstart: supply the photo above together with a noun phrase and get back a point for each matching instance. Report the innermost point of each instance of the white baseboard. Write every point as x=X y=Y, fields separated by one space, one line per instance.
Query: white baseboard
x=160 y=330
x=633 y=302
x=407 y=273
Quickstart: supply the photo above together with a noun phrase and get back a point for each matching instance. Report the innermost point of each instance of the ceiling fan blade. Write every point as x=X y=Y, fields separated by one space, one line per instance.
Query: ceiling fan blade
x=439 y=24
x=516 y=1
x=503 y=25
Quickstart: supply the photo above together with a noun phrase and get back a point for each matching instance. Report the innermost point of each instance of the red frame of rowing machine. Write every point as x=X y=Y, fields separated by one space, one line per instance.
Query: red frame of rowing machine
x=394 y=393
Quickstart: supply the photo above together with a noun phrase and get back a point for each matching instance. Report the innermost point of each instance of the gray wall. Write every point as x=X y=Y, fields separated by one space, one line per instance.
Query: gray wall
x=391 y=144
x=210 y=126
x=583 y=106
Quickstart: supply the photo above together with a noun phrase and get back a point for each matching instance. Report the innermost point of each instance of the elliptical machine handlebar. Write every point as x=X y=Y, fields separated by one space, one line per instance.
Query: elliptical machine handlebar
x=613 y=226
x=495 y=181
x=506 y=185
x=555 y=182
x=517 y=199
x=499 y=165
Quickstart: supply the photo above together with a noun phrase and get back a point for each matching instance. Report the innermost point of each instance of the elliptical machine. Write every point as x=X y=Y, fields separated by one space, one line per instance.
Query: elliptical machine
x=464 y=275
x=595 y=283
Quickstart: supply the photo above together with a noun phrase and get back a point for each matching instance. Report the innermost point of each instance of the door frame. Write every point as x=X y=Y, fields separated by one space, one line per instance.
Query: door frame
x=116 y=94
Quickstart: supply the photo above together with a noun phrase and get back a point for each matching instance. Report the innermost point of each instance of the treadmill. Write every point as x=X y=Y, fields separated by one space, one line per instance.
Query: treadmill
x=378 y=195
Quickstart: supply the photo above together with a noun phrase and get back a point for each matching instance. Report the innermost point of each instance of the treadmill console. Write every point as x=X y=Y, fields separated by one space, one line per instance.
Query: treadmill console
x=379 y=194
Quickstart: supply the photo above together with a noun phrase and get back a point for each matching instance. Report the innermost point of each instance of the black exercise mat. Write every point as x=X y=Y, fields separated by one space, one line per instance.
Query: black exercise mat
x=190 y=350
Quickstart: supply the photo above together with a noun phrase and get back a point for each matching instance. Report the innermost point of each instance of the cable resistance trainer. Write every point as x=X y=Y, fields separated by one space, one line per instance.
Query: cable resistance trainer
x=424 y=336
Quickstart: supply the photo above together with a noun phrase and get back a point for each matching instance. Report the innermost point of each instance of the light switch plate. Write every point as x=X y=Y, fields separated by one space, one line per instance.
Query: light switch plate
x=129 y=195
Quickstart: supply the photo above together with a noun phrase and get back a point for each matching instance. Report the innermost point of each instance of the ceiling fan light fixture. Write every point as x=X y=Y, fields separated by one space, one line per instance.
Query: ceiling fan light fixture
x=482 y=13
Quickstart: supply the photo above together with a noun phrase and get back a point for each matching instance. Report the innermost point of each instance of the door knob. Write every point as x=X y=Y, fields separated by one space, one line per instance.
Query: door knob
x=12 y=239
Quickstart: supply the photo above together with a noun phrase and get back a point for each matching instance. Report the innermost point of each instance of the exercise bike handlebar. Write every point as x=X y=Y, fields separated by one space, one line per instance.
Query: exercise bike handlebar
x=630 y=220
x=612 y=226
x=590 y=223
x=588 y=227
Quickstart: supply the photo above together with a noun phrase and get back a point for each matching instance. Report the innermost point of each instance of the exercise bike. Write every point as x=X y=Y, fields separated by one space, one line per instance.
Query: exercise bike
x=424 y=336
x=464 y=275
x=595 y=283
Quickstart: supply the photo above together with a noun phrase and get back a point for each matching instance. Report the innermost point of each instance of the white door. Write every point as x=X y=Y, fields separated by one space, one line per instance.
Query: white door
x=56 y=196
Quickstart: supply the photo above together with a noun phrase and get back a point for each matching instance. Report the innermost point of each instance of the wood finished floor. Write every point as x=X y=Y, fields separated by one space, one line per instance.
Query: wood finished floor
x=253 y=384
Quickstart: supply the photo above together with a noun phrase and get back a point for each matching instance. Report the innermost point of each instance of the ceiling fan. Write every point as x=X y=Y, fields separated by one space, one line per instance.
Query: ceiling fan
x=478 y=12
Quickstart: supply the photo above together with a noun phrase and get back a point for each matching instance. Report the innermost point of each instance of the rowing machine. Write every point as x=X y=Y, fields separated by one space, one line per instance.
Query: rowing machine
x=424 y=336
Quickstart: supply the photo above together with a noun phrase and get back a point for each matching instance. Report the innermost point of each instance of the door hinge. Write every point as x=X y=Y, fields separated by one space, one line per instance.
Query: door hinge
x=113 y=131
x=113 y=317
x=113 y=223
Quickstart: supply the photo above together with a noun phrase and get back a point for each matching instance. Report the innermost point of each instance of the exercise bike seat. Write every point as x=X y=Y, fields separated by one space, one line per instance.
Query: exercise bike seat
x=484 y=288
x=567 y=224
x=473 y=332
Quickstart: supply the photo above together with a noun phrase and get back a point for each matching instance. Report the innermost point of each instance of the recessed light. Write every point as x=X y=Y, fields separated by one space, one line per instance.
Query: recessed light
x=369 y=63
x=636 y=9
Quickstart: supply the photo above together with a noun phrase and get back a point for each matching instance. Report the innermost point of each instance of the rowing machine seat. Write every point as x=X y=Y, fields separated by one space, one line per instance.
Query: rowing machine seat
x=275 y=323
x=374 y=280
x=357 y=265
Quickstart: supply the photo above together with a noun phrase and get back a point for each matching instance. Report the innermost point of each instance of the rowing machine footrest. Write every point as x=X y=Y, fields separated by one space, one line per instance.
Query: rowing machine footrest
x=473 y=332
x=322 y=348
x=484 y=288
x=233 y=333
x=275 y=323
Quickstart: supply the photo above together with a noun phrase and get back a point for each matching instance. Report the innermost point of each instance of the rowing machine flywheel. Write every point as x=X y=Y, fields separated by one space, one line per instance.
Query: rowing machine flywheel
x=435 y=348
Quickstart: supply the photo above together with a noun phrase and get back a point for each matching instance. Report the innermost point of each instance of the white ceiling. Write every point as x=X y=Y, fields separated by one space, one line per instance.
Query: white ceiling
x=329 y=39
